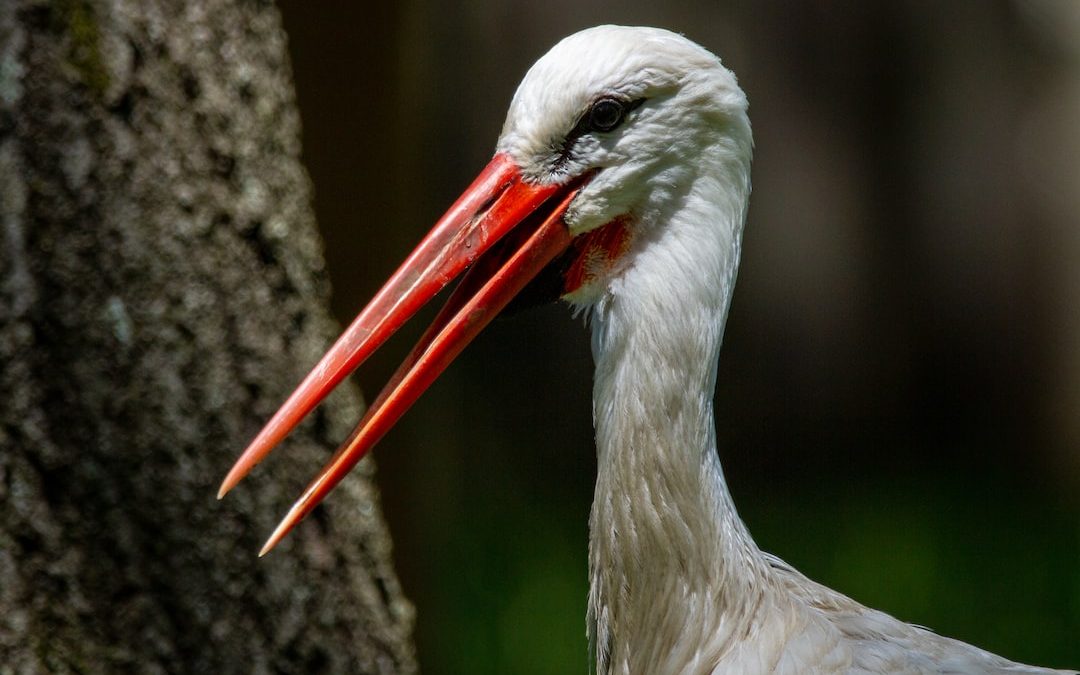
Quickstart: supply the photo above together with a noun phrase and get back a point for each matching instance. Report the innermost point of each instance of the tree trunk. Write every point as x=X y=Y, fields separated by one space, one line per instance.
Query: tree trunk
x=161 y=289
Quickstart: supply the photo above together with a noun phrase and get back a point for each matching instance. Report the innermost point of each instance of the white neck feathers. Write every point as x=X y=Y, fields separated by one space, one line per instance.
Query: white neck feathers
x=669 y=556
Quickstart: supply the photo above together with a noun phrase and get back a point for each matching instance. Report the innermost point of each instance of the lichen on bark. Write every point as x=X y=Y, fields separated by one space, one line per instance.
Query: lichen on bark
x=75 y=19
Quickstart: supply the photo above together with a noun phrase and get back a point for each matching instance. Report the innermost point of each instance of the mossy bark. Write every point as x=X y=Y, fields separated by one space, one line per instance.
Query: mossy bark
x=161 y=288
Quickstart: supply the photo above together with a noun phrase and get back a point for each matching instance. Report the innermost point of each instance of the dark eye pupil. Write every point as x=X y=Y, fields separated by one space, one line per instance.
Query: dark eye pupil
x=605 y=114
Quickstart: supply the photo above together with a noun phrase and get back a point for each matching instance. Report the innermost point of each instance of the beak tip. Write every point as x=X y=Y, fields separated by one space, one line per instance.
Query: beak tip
x=226 y=486
x=270 y=543
x=235 y=475
x=291 y=519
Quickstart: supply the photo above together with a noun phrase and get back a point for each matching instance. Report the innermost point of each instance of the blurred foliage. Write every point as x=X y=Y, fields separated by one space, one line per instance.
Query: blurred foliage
x=964 y=563
x=513 y=595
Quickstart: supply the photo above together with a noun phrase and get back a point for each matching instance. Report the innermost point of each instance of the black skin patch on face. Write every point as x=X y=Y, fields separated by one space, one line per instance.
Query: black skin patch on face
x=605 y=114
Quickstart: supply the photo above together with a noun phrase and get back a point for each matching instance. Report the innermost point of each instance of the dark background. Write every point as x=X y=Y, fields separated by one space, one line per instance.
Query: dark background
x=899 y=390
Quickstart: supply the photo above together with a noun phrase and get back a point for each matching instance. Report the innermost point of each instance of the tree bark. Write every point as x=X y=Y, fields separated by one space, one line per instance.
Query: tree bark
x=161 y=289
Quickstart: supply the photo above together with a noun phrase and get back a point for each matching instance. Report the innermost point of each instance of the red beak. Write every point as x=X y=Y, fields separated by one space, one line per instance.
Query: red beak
x=525 y=220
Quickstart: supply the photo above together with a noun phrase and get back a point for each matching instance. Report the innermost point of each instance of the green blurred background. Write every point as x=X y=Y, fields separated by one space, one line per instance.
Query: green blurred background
x=899 y=392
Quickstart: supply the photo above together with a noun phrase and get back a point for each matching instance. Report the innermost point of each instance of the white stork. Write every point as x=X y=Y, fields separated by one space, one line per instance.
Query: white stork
x=621 y=181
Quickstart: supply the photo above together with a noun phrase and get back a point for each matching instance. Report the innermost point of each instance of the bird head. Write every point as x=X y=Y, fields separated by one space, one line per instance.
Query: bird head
x=602 y=138
x=634 y=109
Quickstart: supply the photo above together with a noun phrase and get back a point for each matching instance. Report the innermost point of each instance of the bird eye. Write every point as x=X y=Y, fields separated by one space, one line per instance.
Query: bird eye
x=606 y=114
x=603 y=115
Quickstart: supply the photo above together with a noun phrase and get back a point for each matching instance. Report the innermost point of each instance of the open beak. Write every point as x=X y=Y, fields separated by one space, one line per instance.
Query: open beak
x=505 y=230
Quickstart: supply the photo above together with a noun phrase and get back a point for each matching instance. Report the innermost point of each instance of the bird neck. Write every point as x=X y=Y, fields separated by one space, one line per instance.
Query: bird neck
x=666 y=544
